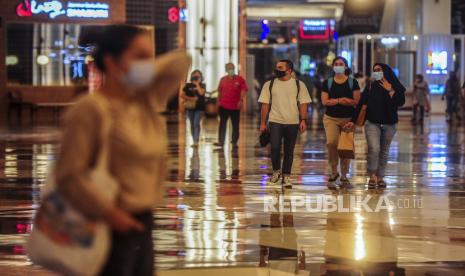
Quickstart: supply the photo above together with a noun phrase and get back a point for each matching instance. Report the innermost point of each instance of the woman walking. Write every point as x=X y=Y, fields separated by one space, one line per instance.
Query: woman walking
x=420 y=98
x=340 y=95
x=382 y=98
x=194 y=103
x=135 y=84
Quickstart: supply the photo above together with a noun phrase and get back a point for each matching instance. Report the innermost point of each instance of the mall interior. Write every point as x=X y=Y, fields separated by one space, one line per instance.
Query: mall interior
x=217 y=216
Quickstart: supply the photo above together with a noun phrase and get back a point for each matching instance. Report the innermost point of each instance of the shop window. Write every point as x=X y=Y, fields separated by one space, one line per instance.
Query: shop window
x=45 y=54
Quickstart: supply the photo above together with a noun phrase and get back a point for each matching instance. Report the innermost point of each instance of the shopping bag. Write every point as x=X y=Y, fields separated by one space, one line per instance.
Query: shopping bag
x=64 y=240
x=346 y=147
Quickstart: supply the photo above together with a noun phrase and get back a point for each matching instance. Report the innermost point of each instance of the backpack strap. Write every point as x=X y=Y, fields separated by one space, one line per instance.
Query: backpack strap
x=297 y=82
x=271 y=88
x=351 y=82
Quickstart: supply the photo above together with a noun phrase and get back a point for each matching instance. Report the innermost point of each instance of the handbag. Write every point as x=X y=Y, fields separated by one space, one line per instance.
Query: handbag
x=64 y=240
x=190 y=104
x=346 y=147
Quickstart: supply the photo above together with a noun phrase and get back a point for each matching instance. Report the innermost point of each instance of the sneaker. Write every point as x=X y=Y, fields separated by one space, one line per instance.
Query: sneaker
x=274 y=179
x=287 y=182
x=345 y=183
x=332 y=182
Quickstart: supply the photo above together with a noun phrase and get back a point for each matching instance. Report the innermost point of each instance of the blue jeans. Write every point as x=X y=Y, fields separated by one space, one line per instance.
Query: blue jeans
x=195 y=116
x=379 y=138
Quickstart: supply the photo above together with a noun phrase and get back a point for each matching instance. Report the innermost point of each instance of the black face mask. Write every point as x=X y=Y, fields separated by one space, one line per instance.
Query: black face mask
x=279 y=74
x=195 y=78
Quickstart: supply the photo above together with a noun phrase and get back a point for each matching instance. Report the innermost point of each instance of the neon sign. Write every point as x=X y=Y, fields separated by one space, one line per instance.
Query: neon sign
x=57 y=8
x=315 y=29
x=173 y=14
x=437 y=63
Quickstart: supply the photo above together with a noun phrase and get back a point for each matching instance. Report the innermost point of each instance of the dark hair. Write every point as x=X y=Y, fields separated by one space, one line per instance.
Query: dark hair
x=359 y=75
x=114 y=40
x=348 y=70
x=199 y=72
x=289 y=64
x=390 y=76
x=420 y=77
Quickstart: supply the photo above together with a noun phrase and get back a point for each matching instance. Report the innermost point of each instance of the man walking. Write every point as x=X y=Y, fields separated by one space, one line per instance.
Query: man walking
x=284 y=104
x=231 y=93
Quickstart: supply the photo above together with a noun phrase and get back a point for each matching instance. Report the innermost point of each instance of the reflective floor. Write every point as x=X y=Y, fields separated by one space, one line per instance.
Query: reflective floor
x=220 y=214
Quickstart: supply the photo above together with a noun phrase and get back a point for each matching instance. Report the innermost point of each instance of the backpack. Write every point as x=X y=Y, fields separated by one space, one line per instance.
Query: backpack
x=351 y=82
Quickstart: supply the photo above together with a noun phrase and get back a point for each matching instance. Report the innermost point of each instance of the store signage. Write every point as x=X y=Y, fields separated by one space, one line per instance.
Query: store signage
x=176 y=14
x=437 y=63
x=69 y=9
x=316 y=28
x=390 y=41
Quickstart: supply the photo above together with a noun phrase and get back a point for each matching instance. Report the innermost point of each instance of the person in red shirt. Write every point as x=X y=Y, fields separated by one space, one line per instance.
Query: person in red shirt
x=231 y=92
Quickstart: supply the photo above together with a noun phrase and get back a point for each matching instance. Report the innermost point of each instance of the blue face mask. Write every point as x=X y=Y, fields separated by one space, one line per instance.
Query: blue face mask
x=377 y=75
x=339 y=69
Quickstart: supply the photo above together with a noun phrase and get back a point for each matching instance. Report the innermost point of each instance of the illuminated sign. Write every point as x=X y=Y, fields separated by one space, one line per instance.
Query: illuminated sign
x=57 y=8
x=183 y=16
x=314 y=29
x=437 y=63
x=173 y=14
x=176 y=14
x=390 y=41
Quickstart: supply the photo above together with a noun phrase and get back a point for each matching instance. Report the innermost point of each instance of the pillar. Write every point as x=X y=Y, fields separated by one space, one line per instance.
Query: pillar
x=213 y=37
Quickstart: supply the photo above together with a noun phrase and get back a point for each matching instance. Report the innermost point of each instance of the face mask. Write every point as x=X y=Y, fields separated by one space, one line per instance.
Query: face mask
x=339 y=69
x=231 y=72
x=140 y=74
x=377 y=75
x=279 y=74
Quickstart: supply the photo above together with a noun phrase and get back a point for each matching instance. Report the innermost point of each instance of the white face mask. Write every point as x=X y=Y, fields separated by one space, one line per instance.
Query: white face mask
x=140 y=74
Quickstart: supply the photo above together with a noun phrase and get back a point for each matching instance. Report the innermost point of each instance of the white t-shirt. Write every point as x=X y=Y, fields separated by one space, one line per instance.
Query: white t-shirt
x=284 y=109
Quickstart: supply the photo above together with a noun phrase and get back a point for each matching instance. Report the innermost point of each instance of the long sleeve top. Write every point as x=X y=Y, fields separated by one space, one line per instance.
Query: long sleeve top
x=137 y=146
x=381 y=108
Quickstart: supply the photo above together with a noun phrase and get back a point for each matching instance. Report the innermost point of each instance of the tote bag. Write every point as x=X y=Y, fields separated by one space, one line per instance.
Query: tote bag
x=346 y=147
x=62 y=239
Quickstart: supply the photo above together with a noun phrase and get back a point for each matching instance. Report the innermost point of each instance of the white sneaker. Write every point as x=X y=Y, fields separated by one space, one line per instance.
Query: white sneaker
x=287 y=182
x=274 y=179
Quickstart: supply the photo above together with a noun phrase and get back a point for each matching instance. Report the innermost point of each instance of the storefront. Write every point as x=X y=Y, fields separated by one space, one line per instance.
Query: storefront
x=44 y=54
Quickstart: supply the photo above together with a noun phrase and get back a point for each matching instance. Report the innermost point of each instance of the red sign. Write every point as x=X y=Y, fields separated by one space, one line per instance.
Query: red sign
x=24 y=9
x=173 y=14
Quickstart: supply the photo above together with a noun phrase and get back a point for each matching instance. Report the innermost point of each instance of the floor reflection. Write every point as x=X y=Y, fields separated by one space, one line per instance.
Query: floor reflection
x=214 y=213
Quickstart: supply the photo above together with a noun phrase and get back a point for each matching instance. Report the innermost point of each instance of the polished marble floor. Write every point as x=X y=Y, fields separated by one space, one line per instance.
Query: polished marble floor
x=214 y=221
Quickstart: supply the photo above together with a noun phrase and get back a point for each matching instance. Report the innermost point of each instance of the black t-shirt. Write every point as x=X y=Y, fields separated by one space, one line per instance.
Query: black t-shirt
x=340 y=91
x=191 y=91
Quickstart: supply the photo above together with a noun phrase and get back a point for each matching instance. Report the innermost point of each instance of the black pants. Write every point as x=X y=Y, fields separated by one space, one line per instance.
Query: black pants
x=278 y=133
x=132 y=253
x=235 y=116
x=422 y=111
